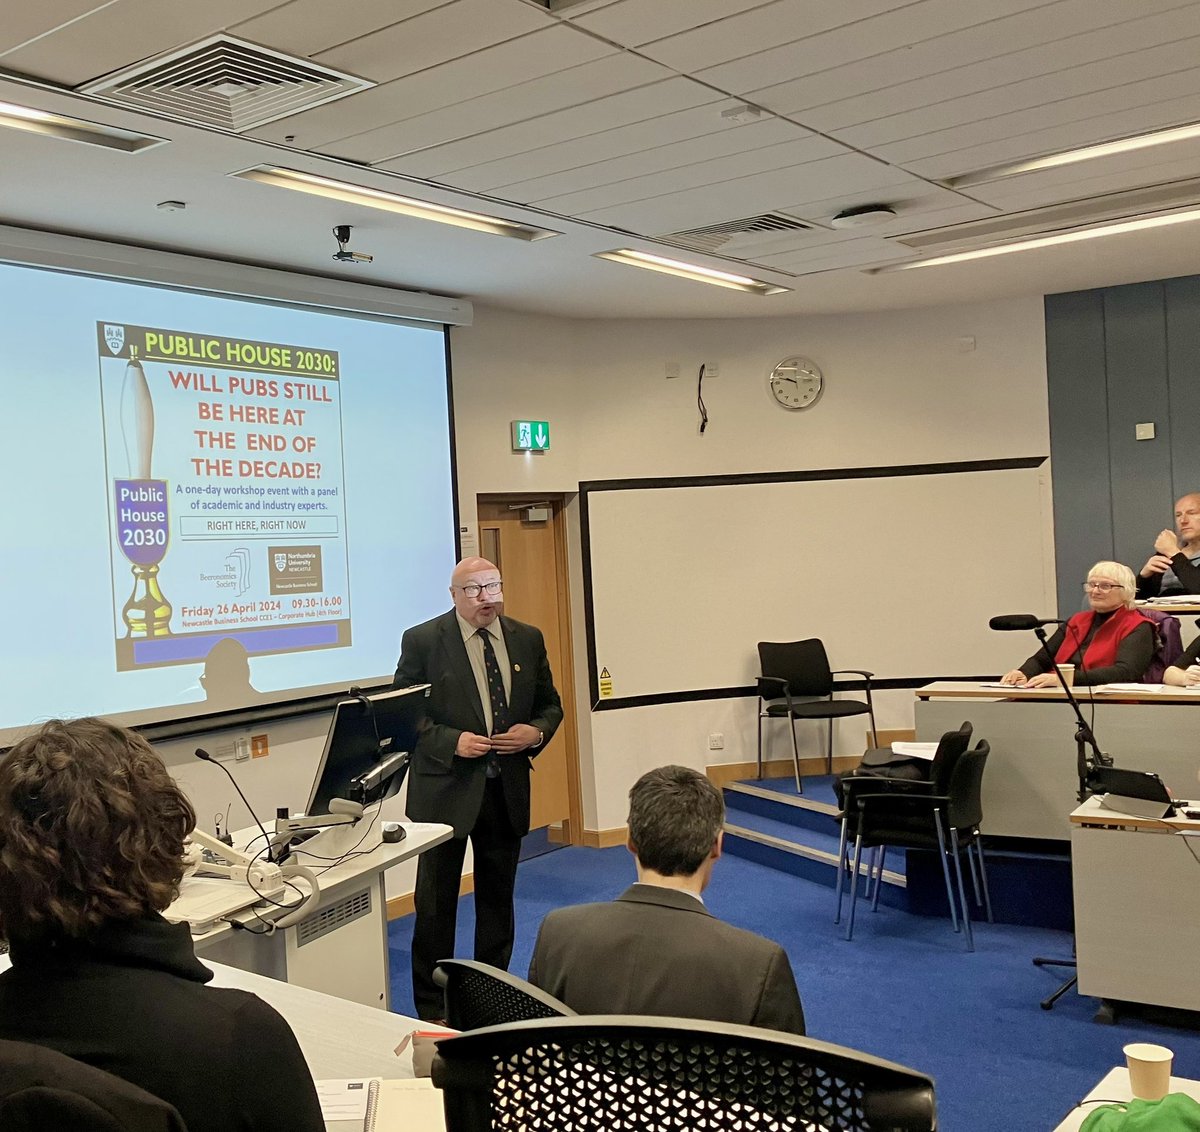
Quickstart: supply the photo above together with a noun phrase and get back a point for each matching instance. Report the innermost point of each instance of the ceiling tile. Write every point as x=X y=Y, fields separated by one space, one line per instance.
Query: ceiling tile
x=562 y=125
x=785 y=158
x=118 y=34
x=995 y=80
x=306 y=27
x=747 y=196
x=23 y=22
x=918 y=39
x=785 y=21
x=445 y=33
x=634 y=22
x=697 y=121
x=492 y=69
x=578 y=86
x=657 y=159
x=1167 y=100
x=1088 y=79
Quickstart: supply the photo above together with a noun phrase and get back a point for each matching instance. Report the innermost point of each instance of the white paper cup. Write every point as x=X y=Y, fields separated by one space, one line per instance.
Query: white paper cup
x=1149 y=1070
x=1068 y=674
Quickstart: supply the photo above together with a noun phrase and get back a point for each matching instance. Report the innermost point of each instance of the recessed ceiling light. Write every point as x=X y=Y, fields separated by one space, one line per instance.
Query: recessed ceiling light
x=1071 y=156
x=692 y=271
x=74 y=129
x=391 y=202
x=1077 y=235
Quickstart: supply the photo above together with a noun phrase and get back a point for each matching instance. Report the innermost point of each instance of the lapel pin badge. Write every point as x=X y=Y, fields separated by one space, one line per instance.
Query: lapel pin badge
x=516 y=668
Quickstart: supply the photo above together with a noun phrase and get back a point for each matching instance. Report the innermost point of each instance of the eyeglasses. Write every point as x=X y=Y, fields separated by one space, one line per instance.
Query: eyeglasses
x=1102 y=587
x=473 y=589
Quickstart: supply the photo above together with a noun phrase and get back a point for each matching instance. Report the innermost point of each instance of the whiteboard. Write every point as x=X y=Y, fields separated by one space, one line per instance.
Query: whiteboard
x=898 y=575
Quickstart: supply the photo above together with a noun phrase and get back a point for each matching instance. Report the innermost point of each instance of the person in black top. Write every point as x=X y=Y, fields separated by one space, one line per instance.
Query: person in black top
x=1174 y=567
x=1185 y=672
x=92 y=830
x=1110 y=643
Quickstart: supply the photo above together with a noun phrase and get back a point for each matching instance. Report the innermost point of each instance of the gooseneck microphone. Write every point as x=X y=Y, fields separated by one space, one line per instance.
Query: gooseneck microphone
x=1018 y=622
x=201 y=753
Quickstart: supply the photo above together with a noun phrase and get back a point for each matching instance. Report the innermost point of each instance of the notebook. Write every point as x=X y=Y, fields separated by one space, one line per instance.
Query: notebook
x=371 y=1104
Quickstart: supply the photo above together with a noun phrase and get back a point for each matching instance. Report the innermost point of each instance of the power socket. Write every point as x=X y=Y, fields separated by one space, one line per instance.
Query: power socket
x=712 y=369
x=716 y=741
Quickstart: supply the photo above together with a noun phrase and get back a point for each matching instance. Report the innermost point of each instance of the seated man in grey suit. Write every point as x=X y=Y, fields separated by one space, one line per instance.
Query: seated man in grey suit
x=656 y=949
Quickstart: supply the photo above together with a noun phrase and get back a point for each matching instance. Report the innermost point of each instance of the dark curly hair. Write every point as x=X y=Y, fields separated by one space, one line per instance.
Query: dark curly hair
x=91 y=830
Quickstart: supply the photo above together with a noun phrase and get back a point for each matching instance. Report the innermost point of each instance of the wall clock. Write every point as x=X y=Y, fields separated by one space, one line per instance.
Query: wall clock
x=796 y=383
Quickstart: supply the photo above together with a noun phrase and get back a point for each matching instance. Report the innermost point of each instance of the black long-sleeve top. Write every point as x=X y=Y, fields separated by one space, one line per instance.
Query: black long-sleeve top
x=1187 y=573
x=132 y=1001
x=1134 y=653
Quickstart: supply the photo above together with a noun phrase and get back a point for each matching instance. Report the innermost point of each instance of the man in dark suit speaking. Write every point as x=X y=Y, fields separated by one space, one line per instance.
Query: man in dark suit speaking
x=492 y=707
x=656 y=949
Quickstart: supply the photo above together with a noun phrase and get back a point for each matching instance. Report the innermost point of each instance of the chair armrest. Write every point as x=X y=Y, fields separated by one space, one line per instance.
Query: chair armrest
x=767 y=683
x=880 y=784
x=855 y=671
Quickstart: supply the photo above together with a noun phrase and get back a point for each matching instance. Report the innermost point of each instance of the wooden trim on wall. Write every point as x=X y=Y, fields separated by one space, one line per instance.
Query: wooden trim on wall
x=721 y=774
x=605 y=838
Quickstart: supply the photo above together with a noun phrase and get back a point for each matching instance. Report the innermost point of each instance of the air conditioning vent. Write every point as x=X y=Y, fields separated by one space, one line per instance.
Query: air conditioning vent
x=1055 y=218
x=226 y=83
x=335 y=916
x=730 y=235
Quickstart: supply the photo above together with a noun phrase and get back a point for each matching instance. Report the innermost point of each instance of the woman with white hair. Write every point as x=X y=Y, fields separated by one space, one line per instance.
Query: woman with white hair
x=1110 y=642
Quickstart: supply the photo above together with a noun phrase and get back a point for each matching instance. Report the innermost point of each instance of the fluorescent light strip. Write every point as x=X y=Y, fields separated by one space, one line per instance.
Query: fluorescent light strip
x=692 y=271
x=1071 y=156
x=390 y=202
x=1046 y=241
x=59 y=126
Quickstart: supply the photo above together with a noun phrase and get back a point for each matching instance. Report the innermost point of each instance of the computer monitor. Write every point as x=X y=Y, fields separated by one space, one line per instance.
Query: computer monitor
x=368 y=737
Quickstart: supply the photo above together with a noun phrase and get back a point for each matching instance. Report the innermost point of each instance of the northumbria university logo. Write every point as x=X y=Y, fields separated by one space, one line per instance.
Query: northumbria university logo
x=280 y=562
x=114 y=336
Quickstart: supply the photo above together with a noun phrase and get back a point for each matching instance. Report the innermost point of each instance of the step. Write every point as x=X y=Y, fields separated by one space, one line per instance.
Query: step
x=801 y=852
x=799 y=812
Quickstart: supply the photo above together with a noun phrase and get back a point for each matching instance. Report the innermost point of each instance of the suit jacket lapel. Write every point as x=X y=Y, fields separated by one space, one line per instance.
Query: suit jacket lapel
x=460 y=666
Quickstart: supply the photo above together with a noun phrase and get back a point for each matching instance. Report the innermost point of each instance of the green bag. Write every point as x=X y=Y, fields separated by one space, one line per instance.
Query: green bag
x=1176 y=1112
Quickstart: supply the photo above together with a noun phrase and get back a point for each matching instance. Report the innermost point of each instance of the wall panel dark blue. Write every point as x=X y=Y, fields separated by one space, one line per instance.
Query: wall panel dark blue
x=1115 y=358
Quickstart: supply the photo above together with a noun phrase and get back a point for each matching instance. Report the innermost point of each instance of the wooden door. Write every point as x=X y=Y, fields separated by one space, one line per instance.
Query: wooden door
x=532 y=560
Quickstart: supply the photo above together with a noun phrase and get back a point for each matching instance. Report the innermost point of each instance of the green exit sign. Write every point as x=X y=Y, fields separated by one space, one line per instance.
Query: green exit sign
x=530 y=436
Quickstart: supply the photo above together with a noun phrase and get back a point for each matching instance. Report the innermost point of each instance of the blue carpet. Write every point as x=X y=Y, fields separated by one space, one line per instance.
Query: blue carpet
x=904 y=989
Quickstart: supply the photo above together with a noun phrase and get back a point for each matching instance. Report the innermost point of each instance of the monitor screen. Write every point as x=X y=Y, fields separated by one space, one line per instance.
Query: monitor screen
x=364 y=734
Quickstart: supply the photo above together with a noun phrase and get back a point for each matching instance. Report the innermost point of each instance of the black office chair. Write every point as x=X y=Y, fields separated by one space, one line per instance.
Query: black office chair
x=478 y=995
x=883 y=762
x=920 y=815
x=42 y=1090
x=797 y=683
x=614 y=1071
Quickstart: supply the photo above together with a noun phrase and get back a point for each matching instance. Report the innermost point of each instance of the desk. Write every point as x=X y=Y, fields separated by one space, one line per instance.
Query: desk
x=1136 y=924
x=341 y=948
x=1114 y=1086
x=1031 y=784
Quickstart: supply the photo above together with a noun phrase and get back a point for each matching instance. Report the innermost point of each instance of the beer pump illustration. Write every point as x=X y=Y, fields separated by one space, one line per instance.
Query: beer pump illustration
x=141 y=509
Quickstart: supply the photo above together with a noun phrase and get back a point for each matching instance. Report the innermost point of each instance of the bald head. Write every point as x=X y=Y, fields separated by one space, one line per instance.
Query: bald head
x=468 y=589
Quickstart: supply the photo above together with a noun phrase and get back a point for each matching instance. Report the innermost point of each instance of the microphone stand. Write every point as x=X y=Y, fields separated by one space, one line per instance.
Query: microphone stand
x=1088 y=757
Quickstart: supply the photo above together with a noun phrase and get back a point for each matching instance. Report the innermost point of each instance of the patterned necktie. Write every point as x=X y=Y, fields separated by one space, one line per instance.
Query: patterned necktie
x=495 y=682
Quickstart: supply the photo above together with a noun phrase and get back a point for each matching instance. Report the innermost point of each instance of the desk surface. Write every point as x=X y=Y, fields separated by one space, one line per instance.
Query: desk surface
x=1093 y=812
x=965 y=690
x=419 y=837
x=1114 y=1086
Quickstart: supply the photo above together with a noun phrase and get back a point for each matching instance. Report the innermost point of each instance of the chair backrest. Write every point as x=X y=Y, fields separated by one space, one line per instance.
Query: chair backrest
x=965 y=809
x=950 y=748
x=803 y=664
x=478 y=995
x=612 y=1071
x=43 y=1090
x=1168 y=644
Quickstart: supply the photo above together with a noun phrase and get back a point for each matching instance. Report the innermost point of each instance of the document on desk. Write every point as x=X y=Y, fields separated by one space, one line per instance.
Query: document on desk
x=1151 y=688
x=915 y=750
x=371 y=1104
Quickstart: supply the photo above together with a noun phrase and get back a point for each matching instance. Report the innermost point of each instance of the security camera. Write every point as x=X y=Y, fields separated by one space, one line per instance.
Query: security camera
x=341 y=233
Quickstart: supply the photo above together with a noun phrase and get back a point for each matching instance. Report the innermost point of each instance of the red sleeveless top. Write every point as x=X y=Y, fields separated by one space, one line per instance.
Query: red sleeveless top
x=1102 y=651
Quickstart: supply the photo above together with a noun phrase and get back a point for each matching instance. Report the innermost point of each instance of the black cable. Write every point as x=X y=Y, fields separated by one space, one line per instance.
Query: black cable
x=700 y=401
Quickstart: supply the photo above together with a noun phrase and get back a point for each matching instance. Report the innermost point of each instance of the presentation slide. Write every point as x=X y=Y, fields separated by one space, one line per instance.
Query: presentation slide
x=213 y=502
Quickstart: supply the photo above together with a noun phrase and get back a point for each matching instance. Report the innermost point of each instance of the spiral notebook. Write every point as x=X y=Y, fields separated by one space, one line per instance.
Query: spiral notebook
x=371 y=1104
